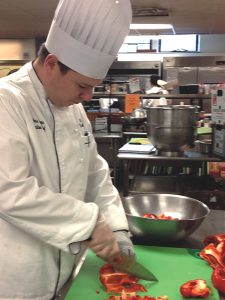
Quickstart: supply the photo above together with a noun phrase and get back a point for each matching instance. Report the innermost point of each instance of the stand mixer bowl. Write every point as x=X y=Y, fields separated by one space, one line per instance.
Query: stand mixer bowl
x=171 y=128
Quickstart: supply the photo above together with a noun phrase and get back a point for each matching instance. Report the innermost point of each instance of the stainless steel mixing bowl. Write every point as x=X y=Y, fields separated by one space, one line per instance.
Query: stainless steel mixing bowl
x=190 y=213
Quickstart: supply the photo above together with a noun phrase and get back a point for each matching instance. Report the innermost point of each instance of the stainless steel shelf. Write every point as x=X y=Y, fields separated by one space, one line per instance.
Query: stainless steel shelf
x=188 y=156
x=156 y=96
x=189 y=159
x=176 y=96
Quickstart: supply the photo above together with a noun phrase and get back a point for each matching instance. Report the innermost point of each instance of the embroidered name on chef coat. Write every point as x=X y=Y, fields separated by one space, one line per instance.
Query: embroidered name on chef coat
x=39 y=124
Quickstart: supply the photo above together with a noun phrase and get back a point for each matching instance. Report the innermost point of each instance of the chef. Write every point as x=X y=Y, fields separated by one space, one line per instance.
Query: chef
x=56 y=195
x=157 y=87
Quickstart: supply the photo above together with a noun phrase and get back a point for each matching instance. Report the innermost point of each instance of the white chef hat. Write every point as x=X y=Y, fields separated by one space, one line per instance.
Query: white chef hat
x=86 y=35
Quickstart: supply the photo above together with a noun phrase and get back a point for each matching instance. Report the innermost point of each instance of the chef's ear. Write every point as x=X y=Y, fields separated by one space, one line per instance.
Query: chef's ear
x=51 y=61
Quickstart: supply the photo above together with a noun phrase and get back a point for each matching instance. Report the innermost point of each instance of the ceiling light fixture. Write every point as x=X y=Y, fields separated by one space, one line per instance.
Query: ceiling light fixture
x=152 y=26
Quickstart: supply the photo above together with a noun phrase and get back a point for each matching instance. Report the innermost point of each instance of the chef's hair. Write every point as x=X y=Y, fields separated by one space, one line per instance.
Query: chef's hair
x=43 y=53
x=153 y=79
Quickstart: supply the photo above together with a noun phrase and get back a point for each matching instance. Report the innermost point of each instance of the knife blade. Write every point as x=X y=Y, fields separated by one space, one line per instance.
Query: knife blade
x=130 y=265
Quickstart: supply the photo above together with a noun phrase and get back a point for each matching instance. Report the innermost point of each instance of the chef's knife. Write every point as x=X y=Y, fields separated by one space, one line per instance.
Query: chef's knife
x=128 y=264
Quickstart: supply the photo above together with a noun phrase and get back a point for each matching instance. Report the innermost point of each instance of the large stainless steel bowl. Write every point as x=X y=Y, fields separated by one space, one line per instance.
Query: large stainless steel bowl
x=171 y=128
x=190 y=213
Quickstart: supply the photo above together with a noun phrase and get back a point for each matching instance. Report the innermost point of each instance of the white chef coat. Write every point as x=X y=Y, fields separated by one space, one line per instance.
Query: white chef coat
x=156 y=102
x=52 y=184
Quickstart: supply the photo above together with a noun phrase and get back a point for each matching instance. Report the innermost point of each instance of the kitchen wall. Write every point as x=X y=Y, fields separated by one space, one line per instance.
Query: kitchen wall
x=212 y=43
x=14 y=53
x=17 y=49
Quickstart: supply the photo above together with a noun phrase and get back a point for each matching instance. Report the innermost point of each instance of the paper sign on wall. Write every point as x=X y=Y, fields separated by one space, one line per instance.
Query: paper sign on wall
x=131 y=101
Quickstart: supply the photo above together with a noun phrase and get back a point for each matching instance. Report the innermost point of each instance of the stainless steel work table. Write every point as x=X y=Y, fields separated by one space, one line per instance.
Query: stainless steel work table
x=188 y=159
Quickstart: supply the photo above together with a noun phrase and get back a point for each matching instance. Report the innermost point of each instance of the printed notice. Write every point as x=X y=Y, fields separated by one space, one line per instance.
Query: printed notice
x=131 y=101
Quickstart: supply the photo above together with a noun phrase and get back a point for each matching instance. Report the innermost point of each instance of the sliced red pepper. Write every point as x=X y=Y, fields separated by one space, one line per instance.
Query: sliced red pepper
x=218 y=279
x=195 y=289
x=159 y=217
x=211 y=254
x=215 y=239
x=150 y=216
x=118 y=281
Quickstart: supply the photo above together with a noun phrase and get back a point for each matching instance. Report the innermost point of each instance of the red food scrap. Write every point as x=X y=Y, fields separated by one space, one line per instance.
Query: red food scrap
x=133 y=296
x=196 y=288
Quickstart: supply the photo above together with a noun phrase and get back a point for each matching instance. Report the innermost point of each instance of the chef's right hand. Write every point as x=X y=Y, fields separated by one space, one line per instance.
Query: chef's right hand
x=102 y=240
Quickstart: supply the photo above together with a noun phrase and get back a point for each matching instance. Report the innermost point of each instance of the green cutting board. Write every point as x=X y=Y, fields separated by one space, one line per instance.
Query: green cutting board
x=172 y=266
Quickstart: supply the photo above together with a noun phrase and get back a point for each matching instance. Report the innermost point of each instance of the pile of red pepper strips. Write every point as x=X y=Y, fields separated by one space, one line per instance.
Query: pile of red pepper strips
x=214 y=254
x=125 y=284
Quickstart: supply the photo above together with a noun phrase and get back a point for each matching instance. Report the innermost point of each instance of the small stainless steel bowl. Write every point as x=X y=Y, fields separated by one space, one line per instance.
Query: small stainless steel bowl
x=189 y=213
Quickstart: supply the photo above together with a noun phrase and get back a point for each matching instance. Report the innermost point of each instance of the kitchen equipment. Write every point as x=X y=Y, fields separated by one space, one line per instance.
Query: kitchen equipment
x=204 y=146
x=194 y=69
x=189 y=89
x=218 y=122
x=139 y=113
x=190 y=213
x=128 y=264
x=172 y=266
x=171 y=128
x=133 y=124
x=218 y=138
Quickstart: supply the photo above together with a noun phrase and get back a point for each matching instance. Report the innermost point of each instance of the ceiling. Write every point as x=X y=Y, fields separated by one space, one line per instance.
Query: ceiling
x=32 y=18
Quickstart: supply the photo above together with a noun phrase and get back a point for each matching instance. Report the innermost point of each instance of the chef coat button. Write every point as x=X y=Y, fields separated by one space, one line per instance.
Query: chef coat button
x=81 y=160
x=75 y=130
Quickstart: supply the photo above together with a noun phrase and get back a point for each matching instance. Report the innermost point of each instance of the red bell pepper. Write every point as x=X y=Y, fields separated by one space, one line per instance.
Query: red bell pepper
x=213 y=256
x=218 y=279
x=195 y=289
x=215 y=239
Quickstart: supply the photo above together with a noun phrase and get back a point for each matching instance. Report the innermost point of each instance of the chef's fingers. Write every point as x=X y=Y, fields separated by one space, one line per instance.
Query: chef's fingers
x=102 y=240
x=107 y=251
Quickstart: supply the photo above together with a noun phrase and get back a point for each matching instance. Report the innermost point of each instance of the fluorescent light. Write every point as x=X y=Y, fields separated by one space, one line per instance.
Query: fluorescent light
x=151 y=26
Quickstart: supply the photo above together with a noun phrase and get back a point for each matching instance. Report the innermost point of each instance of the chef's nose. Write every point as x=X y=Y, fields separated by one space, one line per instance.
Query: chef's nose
x=87 y=94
